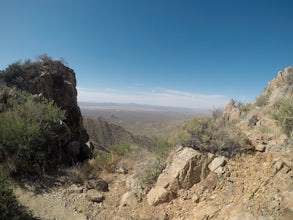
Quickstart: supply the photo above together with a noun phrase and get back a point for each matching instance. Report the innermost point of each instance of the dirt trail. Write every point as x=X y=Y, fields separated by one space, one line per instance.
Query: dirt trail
x=260 y=184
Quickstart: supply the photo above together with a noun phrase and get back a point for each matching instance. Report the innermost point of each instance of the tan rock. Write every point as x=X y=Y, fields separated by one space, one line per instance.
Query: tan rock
x=185 y=167
x=216 y=165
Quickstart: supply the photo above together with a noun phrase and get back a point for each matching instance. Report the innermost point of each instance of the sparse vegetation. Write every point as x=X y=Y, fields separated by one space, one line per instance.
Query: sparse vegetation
x=205 y=134
x=284 y=114
x=150 y=175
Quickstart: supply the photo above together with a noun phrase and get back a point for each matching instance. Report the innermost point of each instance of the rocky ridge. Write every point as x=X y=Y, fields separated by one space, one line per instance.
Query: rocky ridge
x=253 y=185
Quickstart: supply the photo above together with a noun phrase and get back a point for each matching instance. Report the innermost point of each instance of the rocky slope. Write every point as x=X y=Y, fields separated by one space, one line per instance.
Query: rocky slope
x=253 y=185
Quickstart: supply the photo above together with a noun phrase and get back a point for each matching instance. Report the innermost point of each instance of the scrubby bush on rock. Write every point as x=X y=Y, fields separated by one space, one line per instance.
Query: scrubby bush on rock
x=26 y=132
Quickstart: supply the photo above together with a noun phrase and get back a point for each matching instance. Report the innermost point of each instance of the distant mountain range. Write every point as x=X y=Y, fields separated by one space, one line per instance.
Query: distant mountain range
x=140 y=107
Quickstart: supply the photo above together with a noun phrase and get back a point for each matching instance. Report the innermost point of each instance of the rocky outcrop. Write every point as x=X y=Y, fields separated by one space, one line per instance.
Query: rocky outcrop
x=185 y=167
x=231 y=112
x=54 y=81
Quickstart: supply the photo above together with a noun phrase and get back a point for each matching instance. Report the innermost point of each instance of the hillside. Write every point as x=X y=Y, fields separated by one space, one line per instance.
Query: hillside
x=232 y=167
x=104 y=134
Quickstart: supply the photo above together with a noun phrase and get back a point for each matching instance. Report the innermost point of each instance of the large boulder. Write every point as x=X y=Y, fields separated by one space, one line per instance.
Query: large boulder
x=185 y=167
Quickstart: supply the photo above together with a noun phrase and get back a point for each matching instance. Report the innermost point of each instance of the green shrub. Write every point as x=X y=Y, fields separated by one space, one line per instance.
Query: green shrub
x=24 y=131
x=205 y=134
x=284 y=114
x=9 y=207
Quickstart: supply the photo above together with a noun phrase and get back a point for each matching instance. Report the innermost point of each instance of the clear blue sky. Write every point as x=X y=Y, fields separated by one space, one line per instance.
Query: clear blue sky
x=162 y=52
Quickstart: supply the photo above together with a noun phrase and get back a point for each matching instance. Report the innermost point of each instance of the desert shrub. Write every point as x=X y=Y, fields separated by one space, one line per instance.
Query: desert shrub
x=9 y=207
x=262 y=100
x=284 y=114
x=195 y=133
x=162 y=148
x=106 y=161
x=151 y=173
x=24 y=131
x=206 y=134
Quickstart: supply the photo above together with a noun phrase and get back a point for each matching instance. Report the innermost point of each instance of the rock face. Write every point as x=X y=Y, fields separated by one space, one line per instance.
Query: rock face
x=51 y=79
x=185 y=167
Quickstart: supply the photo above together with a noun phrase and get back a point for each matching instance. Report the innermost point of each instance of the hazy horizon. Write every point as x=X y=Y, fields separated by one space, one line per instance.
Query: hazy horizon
x=194 y=54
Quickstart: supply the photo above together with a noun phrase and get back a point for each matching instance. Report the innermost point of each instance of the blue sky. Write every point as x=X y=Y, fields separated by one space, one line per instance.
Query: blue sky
x=196 y=54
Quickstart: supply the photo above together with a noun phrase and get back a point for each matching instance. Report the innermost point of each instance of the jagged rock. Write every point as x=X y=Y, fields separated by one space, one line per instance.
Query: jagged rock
x=216 y=165
x=98 y=184
x=231 y=112
x=94 y=196
x=185 y=167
